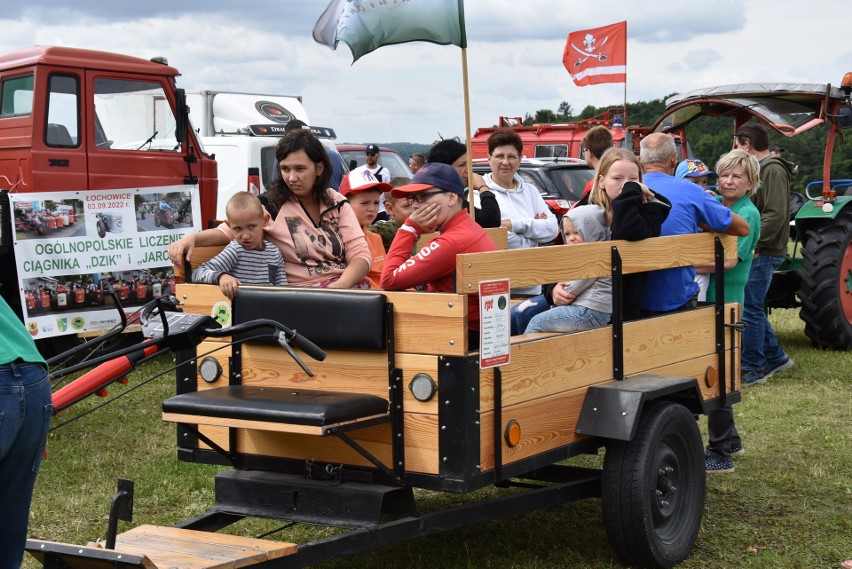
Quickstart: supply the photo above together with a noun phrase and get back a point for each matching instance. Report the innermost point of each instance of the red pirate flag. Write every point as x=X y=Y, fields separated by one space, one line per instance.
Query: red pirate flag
x=598 y=55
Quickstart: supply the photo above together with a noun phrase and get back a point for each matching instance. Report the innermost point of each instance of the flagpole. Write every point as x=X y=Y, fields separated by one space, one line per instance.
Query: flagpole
x=467 y=132
x=624 y=110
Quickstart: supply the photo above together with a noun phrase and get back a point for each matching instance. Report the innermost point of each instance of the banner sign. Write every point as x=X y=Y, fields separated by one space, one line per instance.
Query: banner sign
x=72 y=247
x=495 y=323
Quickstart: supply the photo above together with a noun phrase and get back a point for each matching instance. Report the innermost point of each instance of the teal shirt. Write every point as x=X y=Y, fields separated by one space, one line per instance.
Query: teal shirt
x=736 y=277
x=17 y=342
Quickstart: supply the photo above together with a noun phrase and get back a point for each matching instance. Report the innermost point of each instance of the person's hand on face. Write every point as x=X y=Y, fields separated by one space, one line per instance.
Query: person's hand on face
x=426 y=215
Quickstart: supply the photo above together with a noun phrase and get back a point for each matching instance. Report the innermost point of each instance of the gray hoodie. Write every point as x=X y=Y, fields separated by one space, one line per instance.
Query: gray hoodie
x=590 y=223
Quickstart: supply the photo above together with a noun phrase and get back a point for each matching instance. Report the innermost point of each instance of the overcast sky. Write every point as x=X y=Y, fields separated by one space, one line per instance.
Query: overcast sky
x=413 y=92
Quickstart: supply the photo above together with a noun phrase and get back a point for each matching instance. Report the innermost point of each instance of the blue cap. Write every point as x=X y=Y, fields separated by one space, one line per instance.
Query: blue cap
x=694 y=168
x=432 y=175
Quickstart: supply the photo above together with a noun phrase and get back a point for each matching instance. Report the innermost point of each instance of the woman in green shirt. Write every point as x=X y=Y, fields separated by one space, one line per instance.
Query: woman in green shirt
x=739 y=175
x=25 y=412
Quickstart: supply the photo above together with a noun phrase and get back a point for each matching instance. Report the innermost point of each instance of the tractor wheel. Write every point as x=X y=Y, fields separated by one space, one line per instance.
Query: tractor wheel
x=102 y=229
x=652 y=493
x=156 y=220
x=826 y=284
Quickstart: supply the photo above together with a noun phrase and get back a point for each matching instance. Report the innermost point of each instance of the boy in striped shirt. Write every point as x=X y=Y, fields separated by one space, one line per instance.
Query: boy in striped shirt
x=248 y=259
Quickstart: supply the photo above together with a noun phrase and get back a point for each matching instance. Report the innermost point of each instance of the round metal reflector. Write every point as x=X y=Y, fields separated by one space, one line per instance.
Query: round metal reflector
x=210 y=369
x=423 y=387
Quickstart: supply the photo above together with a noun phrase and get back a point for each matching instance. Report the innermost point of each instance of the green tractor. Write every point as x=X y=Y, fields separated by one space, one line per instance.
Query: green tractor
x=817 y=274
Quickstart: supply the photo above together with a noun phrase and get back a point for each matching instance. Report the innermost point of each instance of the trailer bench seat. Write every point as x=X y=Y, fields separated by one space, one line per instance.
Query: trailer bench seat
x=273 y=408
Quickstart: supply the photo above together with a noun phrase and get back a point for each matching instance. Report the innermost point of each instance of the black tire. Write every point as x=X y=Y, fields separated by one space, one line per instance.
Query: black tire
x=652 y=493
x=102 y=229
x=826 y=284
x=156 y=220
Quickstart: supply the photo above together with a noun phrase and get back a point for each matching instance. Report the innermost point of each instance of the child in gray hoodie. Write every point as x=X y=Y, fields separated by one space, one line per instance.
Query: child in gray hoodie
x=591 y=306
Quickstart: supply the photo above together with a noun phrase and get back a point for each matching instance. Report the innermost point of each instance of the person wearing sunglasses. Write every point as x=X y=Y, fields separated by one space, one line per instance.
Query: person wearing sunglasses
x=436 y=195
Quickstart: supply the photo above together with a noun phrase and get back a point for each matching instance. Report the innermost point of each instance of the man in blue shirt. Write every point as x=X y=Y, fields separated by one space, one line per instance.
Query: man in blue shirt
x=692 y=210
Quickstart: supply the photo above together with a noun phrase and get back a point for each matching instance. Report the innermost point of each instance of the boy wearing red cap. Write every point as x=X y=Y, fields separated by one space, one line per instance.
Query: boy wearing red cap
x=435 y=193
x=364 y=191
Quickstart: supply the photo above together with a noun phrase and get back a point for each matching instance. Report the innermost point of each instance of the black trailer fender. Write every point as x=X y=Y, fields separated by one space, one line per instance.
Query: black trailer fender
x=612 y=410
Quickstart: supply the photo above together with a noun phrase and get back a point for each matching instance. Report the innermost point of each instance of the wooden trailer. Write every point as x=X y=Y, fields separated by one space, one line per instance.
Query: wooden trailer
x=400 y=402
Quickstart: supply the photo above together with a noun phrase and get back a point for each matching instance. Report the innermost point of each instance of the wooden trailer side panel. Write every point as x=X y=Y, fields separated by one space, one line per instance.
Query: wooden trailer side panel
x=544 y=386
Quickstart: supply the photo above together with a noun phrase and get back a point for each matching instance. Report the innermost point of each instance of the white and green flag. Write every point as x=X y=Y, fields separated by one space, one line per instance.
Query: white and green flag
x=366 y=25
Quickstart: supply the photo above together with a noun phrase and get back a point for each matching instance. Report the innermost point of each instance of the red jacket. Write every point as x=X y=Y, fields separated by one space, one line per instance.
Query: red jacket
x=435 y=265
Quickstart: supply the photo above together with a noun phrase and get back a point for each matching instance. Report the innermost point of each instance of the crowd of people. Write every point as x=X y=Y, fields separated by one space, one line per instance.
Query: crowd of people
x=303 y=233
x=365 y=235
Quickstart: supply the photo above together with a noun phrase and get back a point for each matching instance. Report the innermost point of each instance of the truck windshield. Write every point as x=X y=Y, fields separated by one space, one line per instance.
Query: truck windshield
x=133 y=115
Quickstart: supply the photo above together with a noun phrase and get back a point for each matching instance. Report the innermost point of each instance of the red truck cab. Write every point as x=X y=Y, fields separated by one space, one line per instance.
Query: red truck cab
x=90 y=136
x=57 y=133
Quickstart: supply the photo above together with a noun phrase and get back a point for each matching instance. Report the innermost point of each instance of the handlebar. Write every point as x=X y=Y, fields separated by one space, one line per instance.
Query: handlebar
x=835 y=184
x=281 y=334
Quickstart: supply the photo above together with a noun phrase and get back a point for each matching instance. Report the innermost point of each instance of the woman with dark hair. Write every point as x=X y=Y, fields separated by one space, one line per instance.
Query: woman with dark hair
x=314 y=227
x=451 y=151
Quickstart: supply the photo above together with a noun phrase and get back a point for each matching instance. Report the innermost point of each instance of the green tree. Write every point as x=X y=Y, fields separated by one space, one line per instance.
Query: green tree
x=564 y=113
x=541 y=116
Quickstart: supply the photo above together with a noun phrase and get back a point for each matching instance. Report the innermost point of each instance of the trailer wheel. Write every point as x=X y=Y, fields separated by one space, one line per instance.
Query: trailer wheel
x=826 y=284
x=102 y=229
x=652 y=493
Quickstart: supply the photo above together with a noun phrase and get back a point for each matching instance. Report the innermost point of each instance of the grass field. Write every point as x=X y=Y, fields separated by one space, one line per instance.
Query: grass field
x=787 y=505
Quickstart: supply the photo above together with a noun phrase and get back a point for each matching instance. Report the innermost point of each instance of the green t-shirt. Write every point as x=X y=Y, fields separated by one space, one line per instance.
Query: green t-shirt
x=736 y=277
x=17 y=342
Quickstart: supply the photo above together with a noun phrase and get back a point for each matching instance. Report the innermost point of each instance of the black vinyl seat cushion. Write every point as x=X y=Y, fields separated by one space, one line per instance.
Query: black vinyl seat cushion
x=277 y=405
x=332 y=319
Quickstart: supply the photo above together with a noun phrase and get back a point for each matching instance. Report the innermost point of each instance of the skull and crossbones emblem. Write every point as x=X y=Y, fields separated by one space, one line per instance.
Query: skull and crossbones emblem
x=590 y=50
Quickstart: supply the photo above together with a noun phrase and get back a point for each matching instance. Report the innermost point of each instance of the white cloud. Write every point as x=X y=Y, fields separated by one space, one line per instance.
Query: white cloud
x=413 y=92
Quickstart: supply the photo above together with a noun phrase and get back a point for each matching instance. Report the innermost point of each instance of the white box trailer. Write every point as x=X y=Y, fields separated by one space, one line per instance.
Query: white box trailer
x=241 y=131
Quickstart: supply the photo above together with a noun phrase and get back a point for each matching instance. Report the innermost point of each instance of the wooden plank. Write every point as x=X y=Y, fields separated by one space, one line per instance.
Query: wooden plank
x=545 y=364
x=696 y=368
x=421 y=445
x=347 y=371
x=546 y=424
x=272 y=549
x=342 y=370
x=424 y=322
x=429 y=322
x=542 y=265
x=204 y=299
x=500 y=236
x=171 y=547
x=200 y=255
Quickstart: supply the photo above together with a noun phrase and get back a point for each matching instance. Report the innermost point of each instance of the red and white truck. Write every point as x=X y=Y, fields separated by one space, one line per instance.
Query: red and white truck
x=557 y=140
x=103 y=139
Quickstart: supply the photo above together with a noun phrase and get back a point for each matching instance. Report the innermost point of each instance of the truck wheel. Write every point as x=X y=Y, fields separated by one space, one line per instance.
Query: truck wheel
x=652 y=493
x=826 y=284
x=102 y=230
